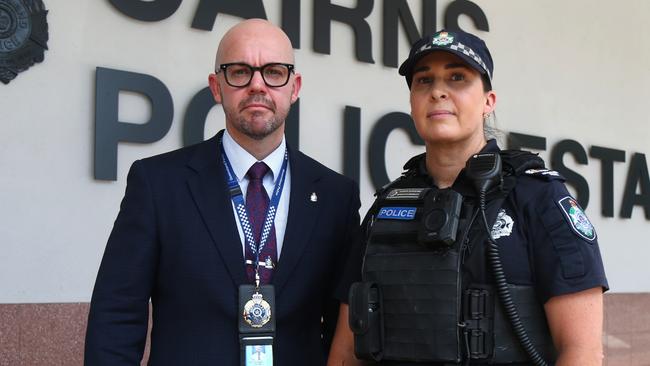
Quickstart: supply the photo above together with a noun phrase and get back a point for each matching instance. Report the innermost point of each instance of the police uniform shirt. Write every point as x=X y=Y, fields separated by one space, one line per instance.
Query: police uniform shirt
x=542 y=225
x=544 y=238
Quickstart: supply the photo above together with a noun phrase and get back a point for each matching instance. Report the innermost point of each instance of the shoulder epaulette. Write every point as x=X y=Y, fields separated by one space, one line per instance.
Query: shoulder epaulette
x=545 y=174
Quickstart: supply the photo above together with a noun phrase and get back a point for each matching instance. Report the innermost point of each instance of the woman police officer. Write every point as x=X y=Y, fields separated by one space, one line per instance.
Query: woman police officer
x=474 y=255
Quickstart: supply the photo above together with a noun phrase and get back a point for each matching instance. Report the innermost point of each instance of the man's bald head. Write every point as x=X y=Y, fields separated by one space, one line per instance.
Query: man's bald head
x=255 y=112
x=255 y=35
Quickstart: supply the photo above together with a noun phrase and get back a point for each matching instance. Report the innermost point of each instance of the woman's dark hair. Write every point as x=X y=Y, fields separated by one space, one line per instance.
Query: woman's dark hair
x=487 y=85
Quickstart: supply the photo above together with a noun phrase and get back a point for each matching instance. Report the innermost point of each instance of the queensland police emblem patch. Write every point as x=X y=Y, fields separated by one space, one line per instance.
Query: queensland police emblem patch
x=23 y=36
x=577 y=218
x=503 y=225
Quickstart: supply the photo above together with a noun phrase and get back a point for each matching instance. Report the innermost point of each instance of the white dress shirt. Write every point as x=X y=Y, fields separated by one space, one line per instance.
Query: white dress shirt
x=241 y=160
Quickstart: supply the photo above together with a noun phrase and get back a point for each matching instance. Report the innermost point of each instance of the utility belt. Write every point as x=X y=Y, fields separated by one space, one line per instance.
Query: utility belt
x=415 y=304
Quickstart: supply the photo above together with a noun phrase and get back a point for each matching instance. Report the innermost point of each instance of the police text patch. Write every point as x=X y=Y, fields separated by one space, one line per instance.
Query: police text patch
x=577 y=218
x=397 y=213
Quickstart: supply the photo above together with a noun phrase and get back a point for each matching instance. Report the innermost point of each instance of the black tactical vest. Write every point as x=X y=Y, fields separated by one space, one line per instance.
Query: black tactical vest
x=423 y=304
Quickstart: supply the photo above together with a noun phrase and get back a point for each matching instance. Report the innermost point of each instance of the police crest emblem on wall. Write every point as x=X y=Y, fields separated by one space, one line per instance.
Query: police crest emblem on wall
x=23 y=36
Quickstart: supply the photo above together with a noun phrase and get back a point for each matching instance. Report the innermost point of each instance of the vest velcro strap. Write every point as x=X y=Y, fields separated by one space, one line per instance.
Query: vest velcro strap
x=478 y=314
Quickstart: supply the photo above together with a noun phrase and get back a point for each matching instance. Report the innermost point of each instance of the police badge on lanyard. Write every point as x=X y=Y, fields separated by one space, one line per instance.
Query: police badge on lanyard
x=257 y=311
x=256 y=325
x=256 y=302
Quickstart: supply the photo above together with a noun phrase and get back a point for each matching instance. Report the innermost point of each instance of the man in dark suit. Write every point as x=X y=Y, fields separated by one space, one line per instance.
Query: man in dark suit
x=180 y=242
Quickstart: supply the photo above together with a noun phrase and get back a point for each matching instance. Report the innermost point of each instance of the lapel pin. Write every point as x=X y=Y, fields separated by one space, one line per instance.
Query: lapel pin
x=313 y=197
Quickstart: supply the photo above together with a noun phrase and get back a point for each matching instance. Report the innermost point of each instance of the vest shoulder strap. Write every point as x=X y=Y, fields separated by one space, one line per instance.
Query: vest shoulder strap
x=519 y=162
x=410 y=173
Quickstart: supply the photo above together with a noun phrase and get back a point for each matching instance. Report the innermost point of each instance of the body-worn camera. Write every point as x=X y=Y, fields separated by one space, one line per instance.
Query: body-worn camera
x=440 y=216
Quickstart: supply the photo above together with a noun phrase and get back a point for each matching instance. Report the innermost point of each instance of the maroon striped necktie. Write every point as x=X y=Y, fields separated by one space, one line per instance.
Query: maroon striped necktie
x=257 y=203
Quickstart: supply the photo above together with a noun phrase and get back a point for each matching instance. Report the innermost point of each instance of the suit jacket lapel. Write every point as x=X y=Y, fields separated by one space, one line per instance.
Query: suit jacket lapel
x=303 y=214
x=209 y=190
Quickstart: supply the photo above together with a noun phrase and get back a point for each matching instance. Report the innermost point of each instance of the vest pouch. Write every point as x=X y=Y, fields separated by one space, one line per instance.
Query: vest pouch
x=420 y=303
x=365 y=320
x=506 y=346
x=397 y=219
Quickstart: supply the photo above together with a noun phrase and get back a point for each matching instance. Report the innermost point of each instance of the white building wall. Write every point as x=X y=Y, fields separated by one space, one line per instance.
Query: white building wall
x=563 y=69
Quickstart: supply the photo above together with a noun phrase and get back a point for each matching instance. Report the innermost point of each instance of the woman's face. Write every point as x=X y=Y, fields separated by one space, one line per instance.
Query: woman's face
x=447 y=99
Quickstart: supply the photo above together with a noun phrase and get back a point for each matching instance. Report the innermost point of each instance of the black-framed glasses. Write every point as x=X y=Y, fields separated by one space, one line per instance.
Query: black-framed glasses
x=239 y=75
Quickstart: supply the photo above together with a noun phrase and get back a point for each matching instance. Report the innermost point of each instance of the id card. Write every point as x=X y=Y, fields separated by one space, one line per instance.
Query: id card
x=257 y=351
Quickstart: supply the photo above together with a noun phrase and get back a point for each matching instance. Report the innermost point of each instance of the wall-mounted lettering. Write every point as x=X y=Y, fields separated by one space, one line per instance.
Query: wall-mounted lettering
x=325 y=12
x=637 y=178
x=109 y=131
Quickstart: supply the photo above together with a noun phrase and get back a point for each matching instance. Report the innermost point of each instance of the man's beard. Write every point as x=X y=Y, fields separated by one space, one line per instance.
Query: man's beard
x=247 y=126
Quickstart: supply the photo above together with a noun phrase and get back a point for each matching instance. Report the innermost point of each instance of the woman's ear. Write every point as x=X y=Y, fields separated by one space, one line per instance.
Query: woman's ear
x=490 y=102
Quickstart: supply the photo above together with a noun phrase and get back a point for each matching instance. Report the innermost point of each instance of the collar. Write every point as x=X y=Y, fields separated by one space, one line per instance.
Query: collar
x=241 y=160
x=418 y=162
x=461 y=185
x=491 y=146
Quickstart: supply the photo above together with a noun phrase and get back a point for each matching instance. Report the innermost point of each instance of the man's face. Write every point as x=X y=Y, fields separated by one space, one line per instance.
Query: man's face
x=255 y=110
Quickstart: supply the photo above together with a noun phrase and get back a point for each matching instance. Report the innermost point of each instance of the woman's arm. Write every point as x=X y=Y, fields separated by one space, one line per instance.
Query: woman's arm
x=576 y=324
x=342 y=350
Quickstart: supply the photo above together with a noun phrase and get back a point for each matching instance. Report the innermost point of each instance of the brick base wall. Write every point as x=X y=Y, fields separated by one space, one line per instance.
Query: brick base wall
x=53 y=334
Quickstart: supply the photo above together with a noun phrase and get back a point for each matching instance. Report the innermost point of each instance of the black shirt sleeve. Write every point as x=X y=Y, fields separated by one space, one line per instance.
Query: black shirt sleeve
x=564 y=245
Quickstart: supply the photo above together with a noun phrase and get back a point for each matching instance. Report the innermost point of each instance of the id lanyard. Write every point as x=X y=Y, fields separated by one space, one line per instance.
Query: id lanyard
x=238 y=200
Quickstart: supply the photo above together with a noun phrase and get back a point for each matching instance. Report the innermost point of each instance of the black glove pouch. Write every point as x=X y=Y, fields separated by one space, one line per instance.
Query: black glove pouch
x=366 y=320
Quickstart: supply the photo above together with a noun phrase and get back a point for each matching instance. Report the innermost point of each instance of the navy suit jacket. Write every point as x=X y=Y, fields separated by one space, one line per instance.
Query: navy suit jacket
x=175 y=241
